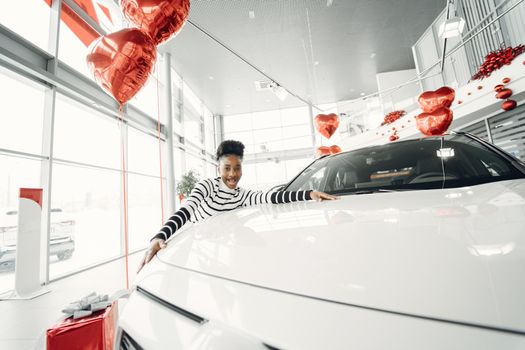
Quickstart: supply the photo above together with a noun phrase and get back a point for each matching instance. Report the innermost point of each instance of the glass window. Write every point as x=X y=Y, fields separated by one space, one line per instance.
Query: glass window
x=21 y=128
x=89 y=203
x=267 y=119
x=429 y=163
x=191 y=99
x=28 y=18
x=85 y=135
x=478 y=129
x=238 y=122
x=16 y=173
x=148 y=98
x=144 y=210
x=143 y=153
x=508 y=132
x=295 y=116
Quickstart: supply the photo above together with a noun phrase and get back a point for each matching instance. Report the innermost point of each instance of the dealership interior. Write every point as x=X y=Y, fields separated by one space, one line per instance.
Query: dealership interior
x=104 y=136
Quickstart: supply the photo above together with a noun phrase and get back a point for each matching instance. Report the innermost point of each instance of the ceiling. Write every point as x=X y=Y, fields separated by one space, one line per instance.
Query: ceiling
x=321 y=50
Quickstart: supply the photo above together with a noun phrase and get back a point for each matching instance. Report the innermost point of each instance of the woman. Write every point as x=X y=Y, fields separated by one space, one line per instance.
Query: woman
x=212 y=196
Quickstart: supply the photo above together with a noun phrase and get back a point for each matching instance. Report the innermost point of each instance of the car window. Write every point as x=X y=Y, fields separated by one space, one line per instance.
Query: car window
x=434 y=162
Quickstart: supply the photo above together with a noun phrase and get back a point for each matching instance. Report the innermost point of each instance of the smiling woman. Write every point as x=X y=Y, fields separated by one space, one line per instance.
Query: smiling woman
x=213 y=196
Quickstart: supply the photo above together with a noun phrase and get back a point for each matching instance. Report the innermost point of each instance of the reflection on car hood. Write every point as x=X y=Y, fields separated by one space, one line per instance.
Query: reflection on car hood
x=455 y=254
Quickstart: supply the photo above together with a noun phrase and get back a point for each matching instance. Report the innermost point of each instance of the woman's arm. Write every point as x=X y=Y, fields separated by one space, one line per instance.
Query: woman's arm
x=278 y=197
x=175 y=222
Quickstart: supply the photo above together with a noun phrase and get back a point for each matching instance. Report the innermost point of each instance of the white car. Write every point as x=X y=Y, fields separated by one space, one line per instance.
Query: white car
x=425 y=249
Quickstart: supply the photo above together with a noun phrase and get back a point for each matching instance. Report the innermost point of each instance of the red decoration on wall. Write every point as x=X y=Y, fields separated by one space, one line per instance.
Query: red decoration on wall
x=392 y=117
x=480 y=87
x=334 y=149
x=160 y=19
x=504 y=94
x=498 y=87
x=326 y=124
x=432 y=100
x=393 y=137
x=496 y=59
x=434 y=123
x=506 y=80
x=508 y=105
x=121 y=62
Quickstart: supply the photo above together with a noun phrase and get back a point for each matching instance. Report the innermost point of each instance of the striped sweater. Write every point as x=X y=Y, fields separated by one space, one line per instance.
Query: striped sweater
x=212 y=196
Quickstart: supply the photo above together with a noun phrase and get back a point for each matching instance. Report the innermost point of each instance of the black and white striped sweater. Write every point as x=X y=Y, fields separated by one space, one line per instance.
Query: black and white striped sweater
x=212 y=196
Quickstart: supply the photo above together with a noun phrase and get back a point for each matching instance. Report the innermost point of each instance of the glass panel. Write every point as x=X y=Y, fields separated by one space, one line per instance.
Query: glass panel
x=89 y=203
x=295 y=116
x=196 y=164
x=143 y=153
x=268 y=119
x=16 y=173
x=238 y=122
x=508 y=132
x=144 y=210
x=22 y=113
x=85 y=135
x=29 y=19
x=148 y=98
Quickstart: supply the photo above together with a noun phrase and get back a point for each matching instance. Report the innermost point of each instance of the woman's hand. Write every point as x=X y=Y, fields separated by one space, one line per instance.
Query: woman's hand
x=321 y=196
x=156 y=245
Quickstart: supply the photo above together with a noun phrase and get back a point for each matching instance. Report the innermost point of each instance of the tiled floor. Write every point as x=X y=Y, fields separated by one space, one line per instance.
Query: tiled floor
x=23 y=322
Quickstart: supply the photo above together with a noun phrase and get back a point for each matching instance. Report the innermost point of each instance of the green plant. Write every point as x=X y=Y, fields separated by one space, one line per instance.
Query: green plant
x=187 y=183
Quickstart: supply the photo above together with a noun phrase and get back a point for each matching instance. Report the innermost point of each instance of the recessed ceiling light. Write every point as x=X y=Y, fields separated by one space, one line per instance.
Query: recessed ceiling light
x=329 y=3
x=211 y=78
x=362 y=94
x=372 y=55
x=267 y=100
x=228 y=106
x=316 y=63
x=251 y=14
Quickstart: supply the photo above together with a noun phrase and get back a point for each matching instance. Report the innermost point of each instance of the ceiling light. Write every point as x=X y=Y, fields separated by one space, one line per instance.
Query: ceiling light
x=329 y=3
x=280 y=92
x=372 y=55
x=211 y=78
x=251 y=14
x=316 y=63
x=228 y=106
x=362 y=94
x=451 y=27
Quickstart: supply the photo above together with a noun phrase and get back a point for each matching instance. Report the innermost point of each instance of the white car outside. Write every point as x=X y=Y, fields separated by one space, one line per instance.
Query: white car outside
x=425 y=249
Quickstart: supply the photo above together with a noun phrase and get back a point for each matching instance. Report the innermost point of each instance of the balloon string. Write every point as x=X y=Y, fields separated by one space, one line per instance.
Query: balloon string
x=160 y=151
x=124 y=192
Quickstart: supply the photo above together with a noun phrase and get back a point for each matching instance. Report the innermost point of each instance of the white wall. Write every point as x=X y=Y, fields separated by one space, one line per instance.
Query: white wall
x=402 y=98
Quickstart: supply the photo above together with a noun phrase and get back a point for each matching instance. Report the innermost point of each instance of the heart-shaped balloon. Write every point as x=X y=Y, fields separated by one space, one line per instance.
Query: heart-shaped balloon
x=159 y=18
x=326 y=124
x=334 y=149
x=121 y=62
x=324 y=150
x=432 y=100
x=434 y=123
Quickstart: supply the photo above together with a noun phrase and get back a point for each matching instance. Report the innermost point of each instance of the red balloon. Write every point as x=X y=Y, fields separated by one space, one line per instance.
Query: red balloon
x=323 y=150
x=335 y=149
x=506 y=80
x=159 y=18
x=509 y=105
x=432 y=100
x=326 y=124
x=121 y=62
x=499 y=87
x=434 y=123
x=393 y=138
x=504 y=94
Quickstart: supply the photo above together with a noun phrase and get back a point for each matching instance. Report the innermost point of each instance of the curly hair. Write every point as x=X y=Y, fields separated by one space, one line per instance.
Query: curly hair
x=230 y=147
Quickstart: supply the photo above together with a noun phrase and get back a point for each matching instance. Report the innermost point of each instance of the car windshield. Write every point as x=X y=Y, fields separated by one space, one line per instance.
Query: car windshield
x=435 y=162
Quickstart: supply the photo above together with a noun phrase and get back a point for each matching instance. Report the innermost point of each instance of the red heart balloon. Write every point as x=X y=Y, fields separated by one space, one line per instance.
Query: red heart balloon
x=509 y=105
x=159 y=18
x=326 y=124
x=121 y=62
x=434 y=123
x=504 y=94
x=335 y=149
x=432 y=100
x=323 y=150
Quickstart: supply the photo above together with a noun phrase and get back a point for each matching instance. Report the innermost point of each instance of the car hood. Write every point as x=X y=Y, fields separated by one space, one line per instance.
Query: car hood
x=453 y=254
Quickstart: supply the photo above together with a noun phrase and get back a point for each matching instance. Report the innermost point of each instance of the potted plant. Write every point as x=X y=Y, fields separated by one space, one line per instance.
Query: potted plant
x=186 y=184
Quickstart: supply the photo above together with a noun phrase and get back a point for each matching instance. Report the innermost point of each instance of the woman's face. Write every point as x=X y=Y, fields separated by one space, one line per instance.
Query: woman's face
x=230 y=170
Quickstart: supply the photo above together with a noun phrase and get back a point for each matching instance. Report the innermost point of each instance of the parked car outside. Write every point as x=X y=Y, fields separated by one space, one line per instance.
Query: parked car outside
x=62 y=236
x=425 y=249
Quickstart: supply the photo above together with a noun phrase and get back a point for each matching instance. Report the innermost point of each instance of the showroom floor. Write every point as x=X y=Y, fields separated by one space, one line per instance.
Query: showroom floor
x=23 y=323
